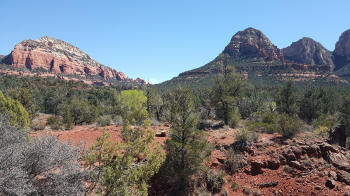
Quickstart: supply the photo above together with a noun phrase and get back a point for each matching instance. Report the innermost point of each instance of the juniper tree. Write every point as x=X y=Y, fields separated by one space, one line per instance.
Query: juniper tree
x=187 y=147
x=153 y=103
x=15 y=111
x=225 y=93
x=287 y=100
x=124 y=168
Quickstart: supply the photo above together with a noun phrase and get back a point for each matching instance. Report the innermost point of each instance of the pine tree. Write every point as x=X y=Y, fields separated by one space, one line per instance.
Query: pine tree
x=153 y=103
x=225 y=94
x=345 y=115
x=286 y=100
x=187 y=147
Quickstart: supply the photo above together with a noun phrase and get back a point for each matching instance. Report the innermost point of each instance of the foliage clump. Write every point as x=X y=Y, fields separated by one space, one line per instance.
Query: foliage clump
x=287 y=100
x=187 y=147
x=38 y=166
x=14 y=110
x=225 y=93
x=215 y=181
x=289 y=125
x=132 y=106
x=233 y=162
x=244 y=138
x=124 y=168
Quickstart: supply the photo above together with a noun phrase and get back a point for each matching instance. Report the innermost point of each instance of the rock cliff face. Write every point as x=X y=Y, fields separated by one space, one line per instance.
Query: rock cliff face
x=342 y=50
x=56 y=56
x=252 y=43
x=309 y=52
x=257 y=59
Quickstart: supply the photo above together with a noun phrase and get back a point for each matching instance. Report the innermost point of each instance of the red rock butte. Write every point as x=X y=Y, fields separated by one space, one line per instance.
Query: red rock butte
x=59 y=57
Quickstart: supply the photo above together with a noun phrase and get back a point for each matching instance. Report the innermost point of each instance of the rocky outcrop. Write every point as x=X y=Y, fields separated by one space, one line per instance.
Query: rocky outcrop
x=252 y=43
x=309 y=52
x=342 y=50
x=253 y=55
x=59 y=57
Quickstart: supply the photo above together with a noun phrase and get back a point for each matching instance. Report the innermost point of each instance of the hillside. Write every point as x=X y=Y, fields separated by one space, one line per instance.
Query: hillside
x=56 y=58
x=257 y=59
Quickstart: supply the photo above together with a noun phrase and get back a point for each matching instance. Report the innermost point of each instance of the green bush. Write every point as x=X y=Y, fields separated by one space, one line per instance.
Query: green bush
x=78 y=112
x=243 y=138
x=14 y=110
x=118 y=120
x=248 y=105
x=289 y=126
x=286 y=99
x=25 y=97
x=104 y=120
x=132 y=106
x=225 y=94
x=268 y=123
x=247 y=190
x=234 y=118
x=55 y=122
x=37 y=125
x=345 y=115
x=233 y=161
x=124 y=173
x=215 y=181
x=324 y=121
x=235 y=186
x=322 y=131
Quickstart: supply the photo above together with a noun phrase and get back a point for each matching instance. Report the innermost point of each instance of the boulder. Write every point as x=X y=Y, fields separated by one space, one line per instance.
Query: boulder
x=312 y=150
x=338 y=160
x=289 y=155
x=210 y=124
x=343 y=176
x=256 y=165
x=325 y=148
x=268 y=184
x=161 y=134
x=297 y=151
x=273 y=164
x=297 y=165
x=330 y=183
x=332 y=174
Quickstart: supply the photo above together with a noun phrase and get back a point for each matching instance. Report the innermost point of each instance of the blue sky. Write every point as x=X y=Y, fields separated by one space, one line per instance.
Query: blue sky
x=157 y=40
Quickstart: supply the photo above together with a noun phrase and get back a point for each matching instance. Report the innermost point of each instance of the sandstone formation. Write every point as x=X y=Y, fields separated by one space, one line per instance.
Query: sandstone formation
x=255 y=58
x=342 y=50
x=252 y=43
x=59 y=57
x=309 y=52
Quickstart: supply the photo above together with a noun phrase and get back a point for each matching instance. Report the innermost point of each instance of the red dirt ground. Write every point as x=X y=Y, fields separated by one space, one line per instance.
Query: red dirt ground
x=287 y=185
x=87 y=134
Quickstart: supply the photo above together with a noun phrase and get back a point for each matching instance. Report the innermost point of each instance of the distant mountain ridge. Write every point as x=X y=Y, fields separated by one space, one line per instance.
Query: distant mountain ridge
x=252 y=43
x=57 y=57
x=308 y=51
x=255 y=57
